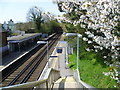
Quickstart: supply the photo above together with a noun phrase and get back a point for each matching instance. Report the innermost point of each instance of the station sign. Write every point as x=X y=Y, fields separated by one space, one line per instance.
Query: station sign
x=59 y=50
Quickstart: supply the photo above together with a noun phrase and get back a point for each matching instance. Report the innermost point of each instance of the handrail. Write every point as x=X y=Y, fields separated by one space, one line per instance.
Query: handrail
x=81 y=84
x=48 y=80
x=25 y=85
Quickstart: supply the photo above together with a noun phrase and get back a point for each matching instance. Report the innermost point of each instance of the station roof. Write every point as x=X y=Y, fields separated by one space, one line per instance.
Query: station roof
x=21 y=38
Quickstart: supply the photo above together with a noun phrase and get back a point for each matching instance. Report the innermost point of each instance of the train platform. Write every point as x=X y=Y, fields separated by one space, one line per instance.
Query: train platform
x=59 y=61
x=63 y=60
x=13 y=56
x=67 y=80
x=18 y=47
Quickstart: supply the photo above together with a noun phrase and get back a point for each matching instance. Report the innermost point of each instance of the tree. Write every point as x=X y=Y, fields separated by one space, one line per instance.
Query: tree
x=24 y=26
x=35 y=15
x=100 y=20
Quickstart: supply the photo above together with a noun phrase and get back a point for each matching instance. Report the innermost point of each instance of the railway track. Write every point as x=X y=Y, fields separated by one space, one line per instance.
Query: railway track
x=32 y=68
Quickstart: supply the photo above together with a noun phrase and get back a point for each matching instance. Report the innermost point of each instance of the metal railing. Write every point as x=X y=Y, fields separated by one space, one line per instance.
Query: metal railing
x=51 y=76
x=82 y=84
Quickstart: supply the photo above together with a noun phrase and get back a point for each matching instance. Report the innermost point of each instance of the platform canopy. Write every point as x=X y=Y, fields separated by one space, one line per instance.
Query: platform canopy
x=21 y=38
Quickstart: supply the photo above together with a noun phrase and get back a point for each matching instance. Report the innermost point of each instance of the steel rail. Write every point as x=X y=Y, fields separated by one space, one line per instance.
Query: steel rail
x=6 y=72
x=31 y=71
x=21 y=73
x=23 y=62
x=20 y=61
x=37 y=63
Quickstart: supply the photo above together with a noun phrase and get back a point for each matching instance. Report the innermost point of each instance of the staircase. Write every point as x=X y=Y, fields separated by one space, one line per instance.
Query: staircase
x=65 y=82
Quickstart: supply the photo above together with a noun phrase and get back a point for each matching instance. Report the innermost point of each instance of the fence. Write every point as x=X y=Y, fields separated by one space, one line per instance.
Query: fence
x=82 y=84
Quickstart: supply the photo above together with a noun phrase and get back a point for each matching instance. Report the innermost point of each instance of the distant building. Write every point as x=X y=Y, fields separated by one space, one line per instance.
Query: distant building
x=11 y=25
x=5 y=26
x=3 y=44
x=8 y=27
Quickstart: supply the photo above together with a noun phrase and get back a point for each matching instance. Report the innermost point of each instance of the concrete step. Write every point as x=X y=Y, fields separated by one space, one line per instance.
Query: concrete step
x=59 y=83
x=70 y=83
x=66 y=82
x=60 y=80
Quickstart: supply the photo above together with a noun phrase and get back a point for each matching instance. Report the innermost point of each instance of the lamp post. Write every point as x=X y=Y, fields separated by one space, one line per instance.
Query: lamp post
x=78 y=36
x=45 y=42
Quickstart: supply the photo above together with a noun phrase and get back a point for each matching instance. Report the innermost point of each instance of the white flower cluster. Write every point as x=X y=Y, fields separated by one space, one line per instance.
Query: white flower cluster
x=111 y=74
x=114 y=74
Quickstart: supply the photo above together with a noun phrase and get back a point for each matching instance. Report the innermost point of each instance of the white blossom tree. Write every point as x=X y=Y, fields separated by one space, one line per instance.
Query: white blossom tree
x=101 y=21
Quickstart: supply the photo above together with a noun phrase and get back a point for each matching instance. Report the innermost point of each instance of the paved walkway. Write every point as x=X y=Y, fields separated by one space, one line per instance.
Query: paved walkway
x=59 y=62
x=66 y=80
x=64 y=70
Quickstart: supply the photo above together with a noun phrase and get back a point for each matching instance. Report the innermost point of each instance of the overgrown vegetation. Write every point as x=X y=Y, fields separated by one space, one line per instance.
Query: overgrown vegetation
x=98 y=22
x=91 y=67
x=26 y=26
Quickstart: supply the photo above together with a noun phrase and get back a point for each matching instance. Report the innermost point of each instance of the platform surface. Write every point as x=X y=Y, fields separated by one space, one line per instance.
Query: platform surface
x=13 y=56
x=66 y=80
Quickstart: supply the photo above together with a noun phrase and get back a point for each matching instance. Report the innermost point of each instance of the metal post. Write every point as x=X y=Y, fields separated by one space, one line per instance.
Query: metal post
x=65 y=53
x=65 y=56
x=68 y=46
x=77 y=50
x=58 y=61
x=19 y=46
x=48 y=56
x=68 y=50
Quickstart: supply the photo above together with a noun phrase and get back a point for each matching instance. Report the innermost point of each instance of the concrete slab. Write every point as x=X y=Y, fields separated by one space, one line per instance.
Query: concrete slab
x=70 y=83
x=66 y=81
x=63 y=59
x=70 y=79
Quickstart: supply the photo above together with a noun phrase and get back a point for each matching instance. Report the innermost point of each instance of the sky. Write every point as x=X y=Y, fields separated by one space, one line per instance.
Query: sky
x=17 y=9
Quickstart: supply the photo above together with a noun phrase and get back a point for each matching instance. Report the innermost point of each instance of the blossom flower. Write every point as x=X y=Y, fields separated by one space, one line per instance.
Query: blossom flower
x=105 y=57
x=85 y=39
x=87 y=49
x=106 y=74
x=89 y=42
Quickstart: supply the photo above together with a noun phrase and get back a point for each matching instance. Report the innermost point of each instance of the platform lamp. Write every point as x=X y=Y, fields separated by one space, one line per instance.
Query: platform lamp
x=45 y=42
x=78 y=36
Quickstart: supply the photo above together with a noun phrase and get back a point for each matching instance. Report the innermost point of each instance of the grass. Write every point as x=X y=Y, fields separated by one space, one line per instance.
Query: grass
x=91 y=70
x=91 y=67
